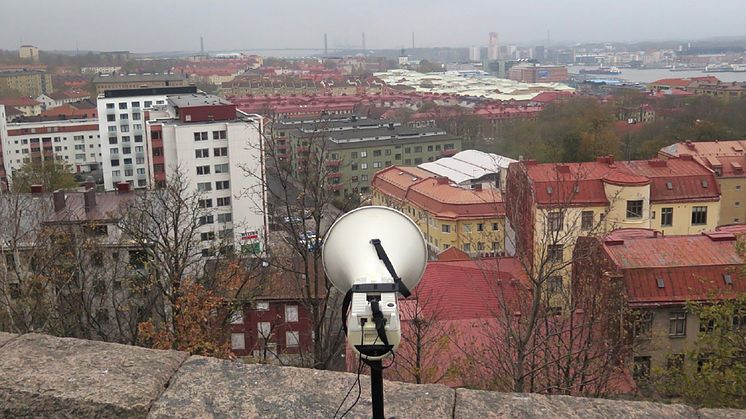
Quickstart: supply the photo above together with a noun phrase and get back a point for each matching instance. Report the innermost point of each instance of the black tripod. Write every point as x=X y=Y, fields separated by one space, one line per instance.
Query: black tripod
x=376 y=387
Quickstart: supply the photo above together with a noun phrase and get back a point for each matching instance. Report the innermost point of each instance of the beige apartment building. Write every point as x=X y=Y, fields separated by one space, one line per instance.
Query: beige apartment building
x=104 y=82
x=726 y=159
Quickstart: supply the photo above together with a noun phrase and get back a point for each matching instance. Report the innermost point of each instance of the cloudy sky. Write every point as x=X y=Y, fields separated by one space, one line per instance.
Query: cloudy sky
x=170 y=25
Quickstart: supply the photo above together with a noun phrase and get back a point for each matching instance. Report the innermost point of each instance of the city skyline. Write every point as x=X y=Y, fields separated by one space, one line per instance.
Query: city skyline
x=72 y=24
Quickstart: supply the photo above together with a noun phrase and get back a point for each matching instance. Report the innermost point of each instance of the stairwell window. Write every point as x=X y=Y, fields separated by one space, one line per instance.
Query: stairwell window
x=699 y=215
x=634 y=209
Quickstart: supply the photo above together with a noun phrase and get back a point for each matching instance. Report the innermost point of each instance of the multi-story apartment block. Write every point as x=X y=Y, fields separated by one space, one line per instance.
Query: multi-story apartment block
x=25 y=105
x=655 y=276
x=74 y=142
x=26 y=82
x=218 y=150
x=355 y=148
x=471 y=220
x=29 y=52
x=3 y=134
x=550 y=205
x=104 y=82
x=122 y=117
x=727 y=160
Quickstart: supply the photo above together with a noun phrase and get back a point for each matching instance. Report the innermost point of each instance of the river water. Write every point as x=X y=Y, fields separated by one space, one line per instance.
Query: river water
x=650 y=75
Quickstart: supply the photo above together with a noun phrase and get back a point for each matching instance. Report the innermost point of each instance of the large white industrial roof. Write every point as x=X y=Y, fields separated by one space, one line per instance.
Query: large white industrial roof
x=467 y=165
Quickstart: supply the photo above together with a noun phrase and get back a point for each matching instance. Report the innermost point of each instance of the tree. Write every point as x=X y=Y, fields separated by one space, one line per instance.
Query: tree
x=575 y=130
x=546 y=333
x=425 y=340
x=300 y=191
x=52 y=175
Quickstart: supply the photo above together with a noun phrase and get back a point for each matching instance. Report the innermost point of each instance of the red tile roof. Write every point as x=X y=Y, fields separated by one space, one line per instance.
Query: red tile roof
x=689 y=180
x=726 y=157
x=21 y=101
x=582 y=184
x=437 y=195
x=672 y=82
x=692 y=268
x=468 y=292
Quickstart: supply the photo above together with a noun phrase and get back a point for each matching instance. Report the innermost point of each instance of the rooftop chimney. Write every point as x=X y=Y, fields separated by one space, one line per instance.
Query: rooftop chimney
x=478 y=187
x=58 y=199
x=123 y=187
x=89 y=199
x=690 y=144
x=37 y=189
x=442 y=180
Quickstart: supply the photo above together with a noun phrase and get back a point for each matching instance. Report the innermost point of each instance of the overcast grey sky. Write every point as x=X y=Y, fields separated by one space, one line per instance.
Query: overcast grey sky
x=169 y=25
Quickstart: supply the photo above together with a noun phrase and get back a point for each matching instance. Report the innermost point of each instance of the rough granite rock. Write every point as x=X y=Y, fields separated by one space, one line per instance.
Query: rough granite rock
x=722 y=414
x=5 y=338
x=45 y=376
x=206 y=387
x=485 y=404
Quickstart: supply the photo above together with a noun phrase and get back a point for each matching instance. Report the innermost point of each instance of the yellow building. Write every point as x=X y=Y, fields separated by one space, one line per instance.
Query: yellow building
x=551 y=205
x=29 y=52
x=727 y=160
x=659 y=275
x=472 y=220
x=26 y=82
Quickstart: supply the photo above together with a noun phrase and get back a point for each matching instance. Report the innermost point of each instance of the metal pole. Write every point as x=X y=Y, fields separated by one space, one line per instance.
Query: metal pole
x=376 y=388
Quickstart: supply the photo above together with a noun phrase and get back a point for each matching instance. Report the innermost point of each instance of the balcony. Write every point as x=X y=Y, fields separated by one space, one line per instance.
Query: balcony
x=302 y=149
x=335 y=175
x=333 y=163
x=111 y=111
x=336 y=187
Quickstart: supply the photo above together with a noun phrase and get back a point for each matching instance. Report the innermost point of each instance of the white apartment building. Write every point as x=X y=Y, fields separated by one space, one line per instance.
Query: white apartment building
x=219 y=151
x=73 y=141
x=122 y=115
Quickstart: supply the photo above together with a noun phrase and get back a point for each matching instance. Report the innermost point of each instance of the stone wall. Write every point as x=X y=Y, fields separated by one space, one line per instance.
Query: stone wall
x=44 y=376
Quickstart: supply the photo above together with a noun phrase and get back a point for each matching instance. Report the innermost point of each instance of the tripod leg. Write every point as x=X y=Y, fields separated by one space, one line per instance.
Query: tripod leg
x=376 y=388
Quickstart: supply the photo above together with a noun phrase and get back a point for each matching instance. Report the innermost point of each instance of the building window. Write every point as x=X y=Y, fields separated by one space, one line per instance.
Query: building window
x=204 y=203
x=666 y=217
x=222 y=184
x=364 y=178
x=237 y=317
x=201 y=153
x=353 y=154
x=677 y=324
x=363 y=166
x=218 y=135
x=480 y=227
x=292 y=339
x=220 y=151
x=641 y=368
x=555 y=221
x=291 y=313
x=376 y=153
x=353 y=166
x=363 y=154
x=225 y=218
x=238 y=341
x=634 y=209
x=643 y=324
x=262 y=306
x=467 y=247
x=699 y=215
x=554 y=284
x=221 y=168
x=203 y=170
x=224 y=201
x=586 y=220
x=206 y=219
x=446 y=228
x=494 y=226
x=200 y=136
x=264 y=329
x=208 y=236
x=554 y=253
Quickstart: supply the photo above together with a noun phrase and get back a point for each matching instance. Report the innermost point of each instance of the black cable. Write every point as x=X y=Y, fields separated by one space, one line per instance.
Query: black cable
x=357 y=381
x=359 y=390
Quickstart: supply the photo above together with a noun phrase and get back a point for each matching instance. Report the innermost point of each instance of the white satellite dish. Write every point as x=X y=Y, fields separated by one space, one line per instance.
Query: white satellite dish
x=350 y=258
x=372 y=254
